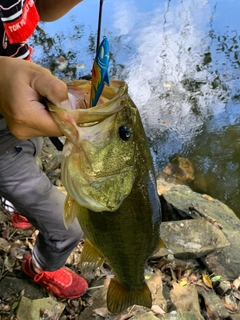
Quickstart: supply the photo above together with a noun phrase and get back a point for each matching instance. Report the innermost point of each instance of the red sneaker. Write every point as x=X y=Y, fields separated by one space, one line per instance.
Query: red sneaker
x=62 y=283
x=20 y=222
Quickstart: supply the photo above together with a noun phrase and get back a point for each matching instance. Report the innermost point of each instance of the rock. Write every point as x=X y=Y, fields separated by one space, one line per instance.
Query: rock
x=135 y=312
x=182 y=203
x=185 y=298
x=99 y=301
x=31 y=290
x=3 y=216
x=50 y=158
x=187 y=240
x=145 y=316
x=180 y=169
x=214 y=305
x=45 y=308
x=225 y=262
x=234 y=317
x=180 y=315
x=165 y=183
x=224 y=287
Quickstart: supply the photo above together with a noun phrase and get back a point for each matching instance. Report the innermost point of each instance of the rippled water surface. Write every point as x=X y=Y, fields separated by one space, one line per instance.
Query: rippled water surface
x=181 y=60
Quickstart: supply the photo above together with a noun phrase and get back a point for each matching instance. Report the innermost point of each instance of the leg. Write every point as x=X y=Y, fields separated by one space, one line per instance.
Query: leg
x=32 y=194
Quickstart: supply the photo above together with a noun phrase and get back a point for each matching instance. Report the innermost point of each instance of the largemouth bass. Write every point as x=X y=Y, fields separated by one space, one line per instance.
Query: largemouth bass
x=108 y=172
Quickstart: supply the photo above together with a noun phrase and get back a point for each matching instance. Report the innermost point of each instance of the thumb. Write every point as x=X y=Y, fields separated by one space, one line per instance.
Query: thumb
x=52 y=88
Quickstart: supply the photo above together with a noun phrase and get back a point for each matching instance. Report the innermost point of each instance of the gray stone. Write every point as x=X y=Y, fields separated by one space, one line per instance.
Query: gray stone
x=224 y=287
x=234 y=317
x=214 y=305
x=135 y=312
x=4 y=217
x=180 y=315
x=144 y=316
x=99 y=301
x=182 y=203
x=226 y=262
x=31 y=309
x=187 y=239
x=31 y=290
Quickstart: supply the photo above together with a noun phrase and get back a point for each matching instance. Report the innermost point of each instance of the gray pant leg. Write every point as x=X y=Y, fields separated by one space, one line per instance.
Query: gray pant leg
x=32 y=194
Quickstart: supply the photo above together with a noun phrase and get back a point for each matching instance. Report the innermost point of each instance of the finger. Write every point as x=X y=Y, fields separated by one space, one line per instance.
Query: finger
x=50 y=87
x=38 y=123
x=27 y=133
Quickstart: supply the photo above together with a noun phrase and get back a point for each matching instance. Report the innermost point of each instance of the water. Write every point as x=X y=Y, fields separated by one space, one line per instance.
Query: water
x=181 y=60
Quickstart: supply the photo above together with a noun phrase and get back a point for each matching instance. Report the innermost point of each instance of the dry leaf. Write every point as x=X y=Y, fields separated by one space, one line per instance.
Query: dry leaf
x=207 y=281
x=236 y=294
x=4 y=245
x=193 y=278
x=29 y=244
x=157 y=310
x=10 y=260
x=125 y=316
x=103 y=312
x=230 y=303
x=207 y=197
x=236 y=283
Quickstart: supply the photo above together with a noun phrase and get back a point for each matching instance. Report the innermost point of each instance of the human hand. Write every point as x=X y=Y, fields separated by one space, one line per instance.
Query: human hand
x=22 y=86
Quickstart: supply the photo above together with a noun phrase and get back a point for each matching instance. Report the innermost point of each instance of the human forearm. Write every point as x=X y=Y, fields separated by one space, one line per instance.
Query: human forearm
x=50 y=10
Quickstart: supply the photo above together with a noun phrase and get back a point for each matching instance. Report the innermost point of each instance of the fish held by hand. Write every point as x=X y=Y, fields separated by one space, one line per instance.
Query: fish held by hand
x=108 y=172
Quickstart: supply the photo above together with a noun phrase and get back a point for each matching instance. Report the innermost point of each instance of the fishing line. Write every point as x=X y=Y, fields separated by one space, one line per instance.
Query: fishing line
x=99 y=24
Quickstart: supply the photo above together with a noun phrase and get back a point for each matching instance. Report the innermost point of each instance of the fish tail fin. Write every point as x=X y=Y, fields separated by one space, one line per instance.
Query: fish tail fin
x=119 y=297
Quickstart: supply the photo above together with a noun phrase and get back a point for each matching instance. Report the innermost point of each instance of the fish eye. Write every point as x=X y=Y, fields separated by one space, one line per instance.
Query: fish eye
x=125 y=132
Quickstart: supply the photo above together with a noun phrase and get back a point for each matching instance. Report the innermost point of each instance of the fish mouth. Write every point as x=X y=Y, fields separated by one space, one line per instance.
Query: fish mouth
x=97 y=163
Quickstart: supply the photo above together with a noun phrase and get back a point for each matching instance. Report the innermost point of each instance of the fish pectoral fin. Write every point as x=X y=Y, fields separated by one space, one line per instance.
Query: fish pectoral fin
x=160 y=244
x=71 y=208
x=91 y=260
x=120 y=298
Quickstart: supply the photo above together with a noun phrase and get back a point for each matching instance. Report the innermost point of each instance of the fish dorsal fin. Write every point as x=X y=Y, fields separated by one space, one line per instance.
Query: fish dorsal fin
x=91 y=259
x=120 y=298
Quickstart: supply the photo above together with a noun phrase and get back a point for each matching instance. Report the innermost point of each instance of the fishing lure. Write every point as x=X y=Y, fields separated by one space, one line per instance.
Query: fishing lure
x=100 y=75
